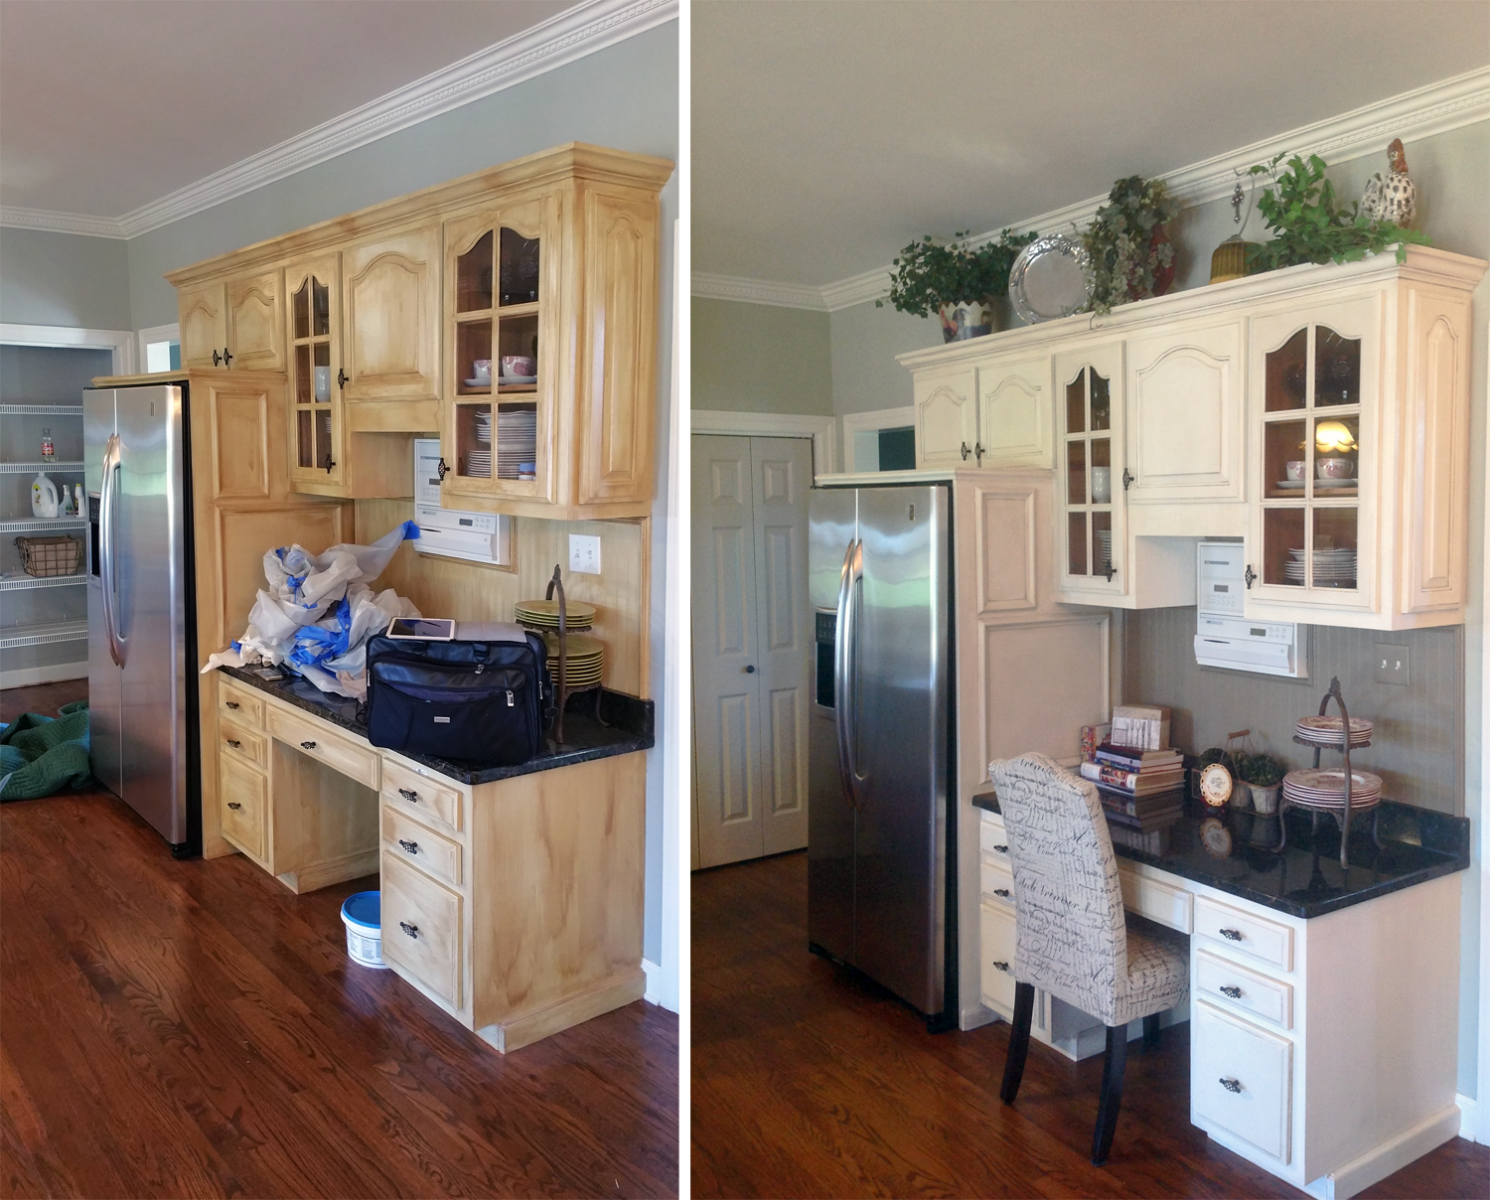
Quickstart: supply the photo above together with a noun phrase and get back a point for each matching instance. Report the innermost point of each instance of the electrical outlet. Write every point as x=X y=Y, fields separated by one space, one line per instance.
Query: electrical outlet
x=584 y=554
x=1391 y=664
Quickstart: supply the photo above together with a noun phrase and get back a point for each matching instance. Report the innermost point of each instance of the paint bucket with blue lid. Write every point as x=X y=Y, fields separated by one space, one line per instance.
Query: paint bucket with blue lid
x=362 y=914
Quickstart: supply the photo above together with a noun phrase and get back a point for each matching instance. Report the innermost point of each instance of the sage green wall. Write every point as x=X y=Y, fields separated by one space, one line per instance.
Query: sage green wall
x=760 y=358
x=62 y=279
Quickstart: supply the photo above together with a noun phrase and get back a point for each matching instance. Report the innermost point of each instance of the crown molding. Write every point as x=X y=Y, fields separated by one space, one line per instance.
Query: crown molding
x=1424 y=112
x=757 y=291
x=571 y=35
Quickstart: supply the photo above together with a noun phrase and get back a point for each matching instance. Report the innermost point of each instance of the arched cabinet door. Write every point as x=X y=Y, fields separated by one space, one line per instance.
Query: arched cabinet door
x=946 y=419
x=391 y=298
x=204 y=326
x=255 y=321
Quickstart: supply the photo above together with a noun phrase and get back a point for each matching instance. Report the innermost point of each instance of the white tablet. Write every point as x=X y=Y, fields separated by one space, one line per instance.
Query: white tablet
x=422 y=629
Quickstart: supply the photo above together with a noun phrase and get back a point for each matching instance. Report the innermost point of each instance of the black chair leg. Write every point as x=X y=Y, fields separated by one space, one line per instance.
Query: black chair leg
x=1151 y=1031
x=1112 y=1092
x=1019 y=1040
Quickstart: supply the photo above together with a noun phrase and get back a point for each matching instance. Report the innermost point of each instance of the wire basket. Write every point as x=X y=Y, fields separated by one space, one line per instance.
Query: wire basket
x=44 y=557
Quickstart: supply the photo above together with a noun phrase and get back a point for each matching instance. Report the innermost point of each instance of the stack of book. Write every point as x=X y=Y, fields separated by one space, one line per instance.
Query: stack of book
x=1142 y=792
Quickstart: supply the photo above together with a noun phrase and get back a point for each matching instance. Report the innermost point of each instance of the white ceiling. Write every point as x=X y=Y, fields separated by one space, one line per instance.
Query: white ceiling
x=826 y=136
x=108 y=105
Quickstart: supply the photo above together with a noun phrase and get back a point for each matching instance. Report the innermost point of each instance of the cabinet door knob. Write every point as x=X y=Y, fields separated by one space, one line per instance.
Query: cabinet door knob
x=216 y=359
x=1004 y=892
x=307 y=745
x=234 y=804
x=234 y=742
x=233 y=704
x=1250 y=576
x=1232 y=1085
x=979 y=451
x=1110 y=572
x=411 y=847
x=965 y=452
x=1002 y=966
x=1128 y=478
x=1231 y=935
x=411 y=930
x=342 y=378
x=1227 y=990
x=1002 y=849
x=330 y=462
x=227 y=356
x=750 y=670
x=411 y=797
x=443 y=468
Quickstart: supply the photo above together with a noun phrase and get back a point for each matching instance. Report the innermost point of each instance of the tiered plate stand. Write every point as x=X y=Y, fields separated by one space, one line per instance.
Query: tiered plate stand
x=1342 y=812
x=561 y=685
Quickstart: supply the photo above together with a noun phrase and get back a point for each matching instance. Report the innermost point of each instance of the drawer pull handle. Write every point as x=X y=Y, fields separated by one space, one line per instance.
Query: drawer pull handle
x=234 y=804
x=1002 y=966
x=1004 y=892
x=411 y=796
x=411 y=930
x=1002 y=849
x=411 y=847
x=233 y=704
x=1232 y=935
x=1231 y=1085
x=234 y=742
x=312 y=746
x=1234 y=992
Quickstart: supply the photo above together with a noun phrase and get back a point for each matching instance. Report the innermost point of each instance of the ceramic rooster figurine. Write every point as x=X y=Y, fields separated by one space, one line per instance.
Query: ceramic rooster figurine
x=1393 y=197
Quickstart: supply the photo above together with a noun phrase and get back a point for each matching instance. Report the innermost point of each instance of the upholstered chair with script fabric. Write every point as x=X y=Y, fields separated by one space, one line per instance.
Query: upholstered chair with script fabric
x=1072 y=937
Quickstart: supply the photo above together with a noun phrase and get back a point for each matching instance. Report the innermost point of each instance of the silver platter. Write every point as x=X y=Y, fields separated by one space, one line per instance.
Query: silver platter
x=1051 y=278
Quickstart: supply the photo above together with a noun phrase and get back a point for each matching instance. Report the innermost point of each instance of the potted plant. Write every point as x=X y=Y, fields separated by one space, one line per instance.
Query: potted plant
x=1263 y=775
x=1310 y=226
x=957 y=281
x=1132 y=256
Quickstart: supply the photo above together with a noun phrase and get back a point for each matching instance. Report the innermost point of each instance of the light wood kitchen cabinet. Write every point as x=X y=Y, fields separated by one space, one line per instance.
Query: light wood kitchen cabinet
x=1176 y=419
x=395 y=304
x=233 y=323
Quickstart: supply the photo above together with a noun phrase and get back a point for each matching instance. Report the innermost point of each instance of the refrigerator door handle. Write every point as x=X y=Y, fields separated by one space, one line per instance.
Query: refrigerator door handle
x=845 y=716
x=107 y=531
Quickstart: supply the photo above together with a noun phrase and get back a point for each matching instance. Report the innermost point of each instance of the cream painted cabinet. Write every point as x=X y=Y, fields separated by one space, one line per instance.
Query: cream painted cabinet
x=1185 y=414
x=233 y=323
x=985 y=414
x=946 y=418
x=1091 y=524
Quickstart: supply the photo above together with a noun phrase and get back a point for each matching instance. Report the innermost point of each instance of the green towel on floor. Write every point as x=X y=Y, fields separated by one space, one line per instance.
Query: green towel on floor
x=41 y=755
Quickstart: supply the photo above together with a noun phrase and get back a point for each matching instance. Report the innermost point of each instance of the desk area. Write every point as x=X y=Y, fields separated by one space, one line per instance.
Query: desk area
x=511 y=896
x=1319 y=997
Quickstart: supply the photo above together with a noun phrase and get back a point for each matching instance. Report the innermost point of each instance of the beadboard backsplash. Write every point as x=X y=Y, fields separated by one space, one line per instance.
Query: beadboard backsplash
x=1418 y=744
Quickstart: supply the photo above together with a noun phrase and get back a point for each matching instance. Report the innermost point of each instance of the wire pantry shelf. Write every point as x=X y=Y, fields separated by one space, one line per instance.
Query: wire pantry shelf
x=42 y=524
x=41 y=410
x=21 y=583
x=30 y=468
x=41 y=635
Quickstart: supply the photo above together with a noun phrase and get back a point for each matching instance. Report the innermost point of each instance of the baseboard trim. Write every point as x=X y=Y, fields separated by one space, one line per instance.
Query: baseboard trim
x=51 y=673
x=1469 y=1121
x=1391 y=1156
x=654 y=975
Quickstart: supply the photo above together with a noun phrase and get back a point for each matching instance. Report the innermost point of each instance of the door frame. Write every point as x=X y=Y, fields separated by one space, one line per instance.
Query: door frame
x=822 y=431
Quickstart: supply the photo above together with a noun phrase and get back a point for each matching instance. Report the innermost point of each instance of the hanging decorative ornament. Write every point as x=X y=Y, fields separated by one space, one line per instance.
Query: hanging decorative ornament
x=1230 y=259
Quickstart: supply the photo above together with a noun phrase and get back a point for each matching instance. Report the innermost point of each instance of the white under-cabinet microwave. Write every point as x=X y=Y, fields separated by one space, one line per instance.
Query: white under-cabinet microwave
x=447 y=532
x=1223 y=637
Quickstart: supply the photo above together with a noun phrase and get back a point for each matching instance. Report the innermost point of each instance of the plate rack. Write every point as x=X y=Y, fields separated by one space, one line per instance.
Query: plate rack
x=1340 y=813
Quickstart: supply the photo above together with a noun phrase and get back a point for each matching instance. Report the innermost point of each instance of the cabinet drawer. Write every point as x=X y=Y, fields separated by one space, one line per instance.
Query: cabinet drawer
x=1159 y=902
x=340 y=754
x=1234 y=986
x=243 y=794
x=1241 y=1078
x=236 y=739
x=992 y=840
x=406 y=839
x=241 y=705
x=998 y=884
x=1267 y=941
x=998 y=958
x=422 y=928
x=420 y=794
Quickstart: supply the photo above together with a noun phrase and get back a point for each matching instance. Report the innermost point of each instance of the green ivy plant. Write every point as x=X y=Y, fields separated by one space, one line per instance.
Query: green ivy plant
x=931 y=273
x=1311 y=226
x=1129 y=262
x=1262 y=769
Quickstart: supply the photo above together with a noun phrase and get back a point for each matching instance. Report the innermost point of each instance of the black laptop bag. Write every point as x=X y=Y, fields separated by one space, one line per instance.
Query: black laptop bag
x=485 y=697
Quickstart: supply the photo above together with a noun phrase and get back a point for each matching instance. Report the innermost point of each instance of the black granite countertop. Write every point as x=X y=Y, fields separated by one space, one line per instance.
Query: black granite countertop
x=625 y=725
x=1306 y=879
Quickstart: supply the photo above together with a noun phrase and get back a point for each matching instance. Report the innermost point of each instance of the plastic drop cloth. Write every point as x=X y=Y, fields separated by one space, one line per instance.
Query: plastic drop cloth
x=316 y=615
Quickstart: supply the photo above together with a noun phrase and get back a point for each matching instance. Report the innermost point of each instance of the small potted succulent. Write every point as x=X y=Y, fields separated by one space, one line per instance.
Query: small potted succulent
x=954 y=280
x=1128 y=242
x=1263 y=775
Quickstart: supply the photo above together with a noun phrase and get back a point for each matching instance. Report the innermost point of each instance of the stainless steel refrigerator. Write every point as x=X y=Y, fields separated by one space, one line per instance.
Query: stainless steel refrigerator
x=142 y=682
x=880 y=874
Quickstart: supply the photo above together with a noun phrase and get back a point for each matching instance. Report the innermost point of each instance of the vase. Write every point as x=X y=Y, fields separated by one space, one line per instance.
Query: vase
x=1163 y=275
x=966 y=319
x=1265 y=799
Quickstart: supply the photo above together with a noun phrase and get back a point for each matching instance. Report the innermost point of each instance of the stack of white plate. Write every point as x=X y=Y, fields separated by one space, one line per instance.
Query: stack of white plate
x=544 y=614
x=584 y=660
x=517 y=440
x=1325 y=788
x=1330 y=567
x=483 y=426
x=1330 y=731
x=1104 y=550
x=478 y=464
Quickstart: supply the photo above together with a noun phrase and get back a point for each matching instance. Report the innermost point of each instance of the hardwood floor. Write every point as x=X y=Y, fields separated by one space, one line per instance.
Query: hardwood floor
x=808 y=1081
x=193 y=1028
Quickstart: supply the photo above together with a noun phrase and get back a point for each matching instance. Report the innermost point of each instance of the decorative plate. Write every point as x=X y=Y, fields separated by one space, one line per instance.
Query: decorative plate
x=1215 y=837
x=1215 y=785
x=1051 y=278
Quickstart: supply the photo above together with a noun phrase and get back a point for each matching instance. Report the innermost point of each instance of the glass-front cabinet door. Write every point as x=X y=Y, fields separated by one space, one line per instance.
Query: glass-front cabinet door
x=316 y=378
x=501 y=279
x=1091 y=529
x=1314 y=397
